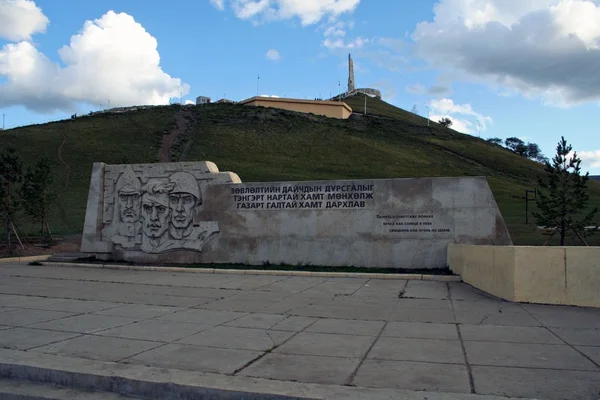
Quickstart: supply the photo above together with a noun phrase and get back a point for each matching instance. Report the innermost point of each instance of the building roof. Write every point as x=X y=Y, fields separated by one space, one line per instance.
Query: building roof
x=301 y=101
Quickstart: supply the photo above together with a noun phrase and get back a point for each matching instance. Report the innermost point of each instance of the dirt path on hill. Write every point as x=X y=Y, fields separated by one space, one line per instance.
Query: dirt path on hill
x=183 y=120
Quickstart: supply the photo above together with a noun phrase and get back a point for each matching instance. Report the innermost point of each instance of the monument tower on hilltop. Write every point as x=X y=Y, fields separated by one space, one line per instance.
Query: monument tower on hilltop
x=350 y=74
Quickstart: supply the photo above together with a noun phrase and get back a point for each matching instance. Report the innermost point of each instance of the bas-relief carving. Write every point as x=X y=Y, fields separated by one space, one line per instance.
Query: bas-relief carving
x=157 y=215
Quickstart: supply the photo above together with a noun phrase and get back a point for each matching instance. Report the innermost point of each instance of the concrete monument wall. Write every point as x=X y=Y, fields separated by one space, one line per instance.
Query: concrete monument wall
x=192 y=213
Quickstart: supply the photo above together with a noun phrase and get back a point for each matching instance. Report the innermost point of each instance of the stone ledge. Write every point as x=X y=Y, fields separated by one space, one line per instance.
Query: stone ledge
x=374 y=275
x=159 y=383
x=23 y=259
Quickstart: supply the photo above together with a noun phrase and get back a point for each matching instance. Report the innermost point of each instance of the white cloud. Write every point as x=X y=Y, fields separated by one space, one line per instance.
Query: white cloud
x=273 y=55
x=340 y=43
x=19 y=19
x=111 y=58
x=187 y=102
x=269 y=95
x=446 y=108
x=539 y=48
x=308 y=11
x=590 y=158
x=218 y=4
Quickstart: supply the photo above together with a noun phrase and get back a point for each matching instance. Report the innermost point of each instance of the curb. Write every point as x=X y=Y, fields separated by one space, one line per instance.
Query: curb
x=420 y=277
x=22 y=259
x=163 y=383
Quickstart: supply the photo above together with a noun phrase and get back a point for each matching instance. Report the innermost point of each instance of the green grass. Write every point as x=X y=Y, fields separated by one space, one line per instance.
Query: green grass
x=261 y=144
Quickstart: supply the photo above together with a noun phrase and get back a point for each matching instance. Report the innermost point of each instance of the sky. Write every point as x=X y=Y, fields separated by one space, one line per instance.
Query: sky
x=497 y=68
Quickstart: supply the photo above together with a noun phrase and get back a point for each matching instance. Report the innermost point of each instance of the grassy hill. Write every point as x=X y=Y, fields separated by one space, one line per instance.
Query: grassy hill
x=269 y=145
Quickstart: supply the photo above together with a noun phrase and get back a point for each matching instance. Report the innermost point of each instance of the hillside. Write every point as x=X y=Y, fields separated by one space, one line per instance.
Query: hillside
x=270 y=145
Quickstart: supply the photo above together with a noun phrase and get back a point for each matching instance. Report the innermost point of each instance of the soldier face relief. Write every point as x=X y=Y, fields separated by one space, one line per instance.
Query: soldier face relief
x=155 y=213
x=129 y=204
x=182 y=209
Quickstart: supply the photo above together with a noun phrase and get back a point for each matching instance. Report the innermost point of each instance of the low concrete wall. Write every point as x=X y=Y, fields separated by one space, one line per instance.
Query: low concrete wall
x=547 y=275
x=331 y=109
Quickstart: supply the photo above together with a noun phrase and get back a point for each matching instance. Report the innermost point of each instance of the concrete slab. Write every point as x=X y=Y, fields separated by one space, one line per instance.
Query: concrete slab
x=229 y=337
x=97 y=347
x=426 y=290
x=547 y=384
x=508 y=317
x=195 y=358
x=593 y=352
x=517 y=334
x=564 y=316
x=26 y=338
x=20 y=390
x=413 y=376
x=237 y=305
x=294 y=323
x=347 y=327
x=527 y=355
x=86 y=323
x=441 y=316
x=421 y=330
x=22 y=317
x=303 y=368
x=323 y=344
x=424 y=304
x=155 y=330
x=258 y=321
x=81 y=306
x=140 y=311
x=424 y=350
x=204 y=317
x=578 y=337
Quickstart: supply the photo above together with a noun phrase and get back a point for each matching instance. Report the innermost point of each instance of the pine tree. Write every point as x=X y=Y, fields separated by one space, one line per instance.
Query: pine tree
x=11 y=174
x=37 y=194
x=562 y=199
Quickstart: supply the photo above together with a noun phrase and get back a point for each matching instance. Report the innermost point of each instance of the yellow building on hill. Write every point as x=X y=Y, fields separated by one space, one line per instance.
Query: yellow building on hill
x=331 y=109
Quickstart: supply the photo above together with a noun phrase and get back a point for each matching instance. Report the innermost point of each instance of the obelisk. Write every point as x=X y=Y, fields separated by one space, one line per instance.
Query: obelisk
x=350 y=73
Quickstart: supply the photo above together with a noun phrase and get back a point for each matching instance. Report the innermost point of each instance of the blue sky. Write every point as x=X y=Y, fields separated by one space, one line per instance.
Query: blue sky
x=498 y=68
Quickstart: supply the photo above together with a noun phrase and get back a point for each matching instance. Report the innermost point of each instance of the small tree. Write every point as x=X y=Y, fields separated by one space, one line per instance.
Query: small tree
x=37 y=194
x=516 y=145
x=445 y=122
x=563 y=200
x=495 y=140
x=11 y=174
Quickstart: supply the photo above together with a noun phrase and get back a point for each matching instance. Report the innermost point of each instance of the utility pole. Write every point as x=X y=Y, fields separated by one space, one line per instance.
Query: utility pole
x=257 y=84
x=339 y=91
x=428 y=114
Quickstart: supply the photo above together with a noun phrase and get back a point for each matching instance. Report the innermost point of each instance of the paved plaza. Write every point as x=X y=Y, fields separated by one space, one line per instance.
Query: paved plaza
x=412 y=335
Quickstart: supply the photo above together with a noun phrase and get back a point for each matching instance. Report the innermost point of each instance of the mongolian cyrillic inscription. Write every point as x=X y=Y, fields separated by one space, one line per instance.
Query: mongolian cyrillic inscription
x=303 y=197
x=411 y=223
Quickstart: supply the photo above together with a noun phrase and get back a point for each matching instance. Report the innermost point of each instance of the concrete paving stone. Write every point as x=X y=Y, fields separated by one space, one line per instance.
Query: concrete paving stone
x=413 y=376
x=86 y=323
x=97 y=347
x=229 y=337
x=547 y=384
x=442 y=316
x=22 y=316
x=424 y=304
x=205 y=317
x=366 y=301
x=6 y=299
x=565 y=316
x=303 y=368
x=324 y=344
x=294 y=324
x=526 y=355
x=426 y=290
x=580 y=337
x=202 y=293
x=26 y=338
x=140 y=311
x=412 y=349
x=504 y=317
x=195 y=358
x=347 y=327
x=519 y=334
x=155 y=330
x=258 y=321
x=250 y=282
x=39 y=303
x=592 y=352
x=187 y=280
x=237 y=305
x=421 y=330
x=361 y=313
x=81 y=306
x=285 y=306
x=257 y=295
x=463 y=292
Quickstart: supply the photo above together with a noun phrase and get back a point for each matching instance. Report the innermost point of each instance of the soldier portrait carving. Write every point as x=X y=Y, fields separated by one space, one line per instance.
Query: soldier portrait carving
x=158 y=215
